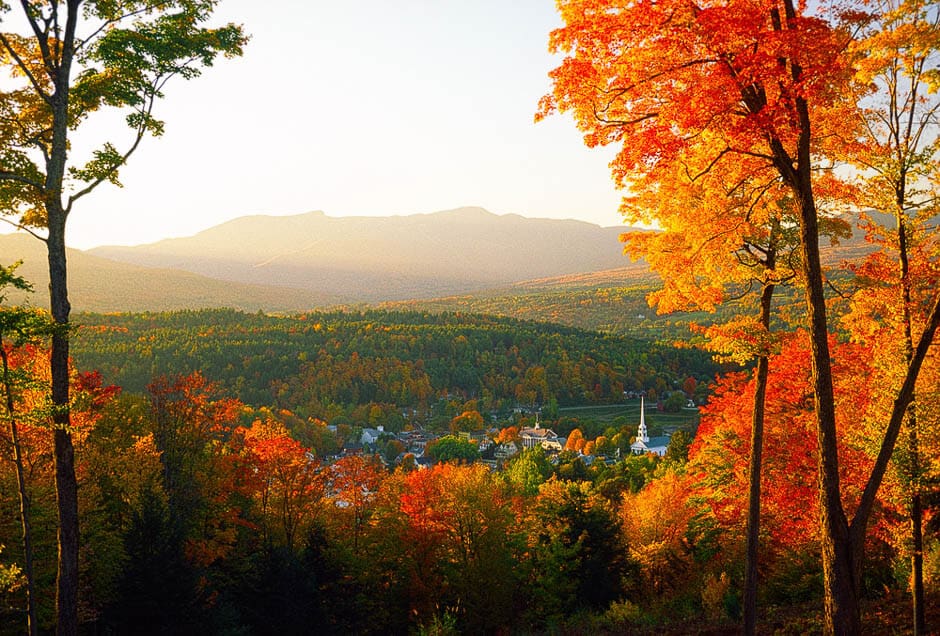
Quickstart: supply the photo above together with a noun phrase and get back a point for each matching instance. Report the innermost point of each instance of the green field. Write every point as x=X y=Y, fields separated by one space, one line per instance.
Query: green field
x=617 y=415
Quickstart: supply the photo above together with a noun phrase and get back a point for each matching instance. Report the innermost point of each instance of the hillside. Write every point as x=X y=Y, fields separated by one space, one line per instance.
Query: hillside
x=371 y=259
x=99 y=284
x=467 y=260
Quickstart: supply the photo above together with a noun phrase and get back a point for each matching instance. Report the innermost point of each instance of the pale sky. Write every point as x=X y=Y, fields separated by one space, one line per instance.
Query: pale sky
x=375 y=107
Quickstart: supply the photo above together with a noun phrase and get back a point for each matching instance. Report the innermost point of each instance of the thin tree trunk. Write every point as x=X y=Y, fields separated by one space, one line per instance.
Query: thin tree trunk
x=754 y=469
x=916 y=512
x=917 y=565
x=753 y=504
x=31 y=624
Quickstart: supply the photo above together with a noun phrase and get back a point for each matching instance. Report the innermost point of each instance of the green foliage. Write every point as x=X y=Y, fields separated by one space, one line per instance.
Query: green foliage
x=453 y=449
x=11 y=577
x=577 y=549
x=528 y=470
x=675 y=402
x=327 y=364
x=678 y=449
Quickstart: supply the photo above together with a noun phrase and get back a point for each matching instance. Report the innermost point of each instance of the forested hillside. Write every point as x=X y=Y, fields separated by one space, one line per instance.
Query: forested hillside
x=324 y=364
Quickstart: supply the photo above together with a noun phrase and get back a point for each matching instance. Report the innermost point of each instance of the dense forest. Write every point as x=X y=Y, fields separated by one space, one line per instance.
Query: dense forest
x=201 y=512
x=324 y=365
x=373 y=472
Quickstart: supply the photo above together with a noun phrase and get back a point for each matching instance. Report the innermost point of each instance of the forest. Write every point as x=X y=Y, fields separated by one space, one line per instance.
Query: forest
x=324 y=365
x=202 y=511
x=373 y=472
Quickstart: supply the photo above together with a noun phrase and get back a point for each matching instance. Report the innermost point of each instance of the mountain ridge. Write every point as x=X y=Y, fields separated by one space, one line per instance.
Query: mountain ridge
x=370 y=259
x=99 y=284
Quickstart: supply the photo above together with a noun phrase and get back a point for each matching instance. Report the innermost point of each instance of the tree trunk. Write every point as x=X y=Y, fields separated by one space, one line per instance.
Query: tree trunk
x=754 y=469
x=841 y=603
x=841 y=596
x=64 y=453
x=31 y=624
x=917 y=565
x=917 y=537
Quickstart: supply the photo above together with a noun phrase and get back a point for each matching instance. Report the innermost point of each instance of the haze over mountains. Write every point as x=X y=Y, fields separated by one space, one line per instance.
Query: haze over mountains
x=369 y=259
x=312 y=260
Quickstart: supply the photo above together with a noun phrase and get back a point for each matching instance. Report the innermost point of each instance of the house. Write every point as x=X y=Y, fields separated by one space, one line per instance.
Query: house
x=371 y=435
x=532 y=436
x=644 y=443
x=506 y=450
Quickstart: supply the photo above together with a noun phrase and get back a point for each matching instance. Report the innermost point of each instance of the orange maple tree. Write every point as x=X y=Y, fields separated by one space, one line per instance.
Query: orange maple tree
x=752 y=92
x=283 y=478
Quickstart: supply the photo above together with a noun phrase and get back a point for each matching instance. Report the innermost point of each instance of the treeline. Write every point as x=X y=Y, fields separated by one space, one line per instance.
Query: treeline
x=327 y=364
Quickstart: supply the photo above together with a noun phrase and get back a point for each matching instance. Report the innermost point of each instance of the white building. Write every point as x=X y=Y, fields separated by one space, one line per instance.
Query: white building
x=644 y=443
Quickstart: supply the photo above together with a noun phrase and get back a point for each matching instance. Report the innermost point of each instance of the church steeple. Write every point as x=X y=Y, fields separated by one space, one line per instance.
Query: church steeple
x=642 y=435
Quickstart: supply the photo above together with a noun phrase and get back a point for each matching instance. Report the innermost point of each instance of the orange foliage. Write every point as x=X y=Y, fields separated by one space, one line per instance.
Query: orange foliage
x=718 y=458
x=282 y=478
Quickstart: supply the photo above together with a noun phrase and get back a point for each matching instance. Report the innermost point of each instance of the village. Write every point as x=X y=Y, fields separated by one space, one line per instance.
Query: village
x=419 y=448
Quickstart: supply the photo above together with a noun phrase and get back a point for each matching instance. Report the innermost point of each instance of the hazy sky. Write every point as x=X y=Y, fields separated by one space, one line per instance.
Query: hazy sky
x=374 y=107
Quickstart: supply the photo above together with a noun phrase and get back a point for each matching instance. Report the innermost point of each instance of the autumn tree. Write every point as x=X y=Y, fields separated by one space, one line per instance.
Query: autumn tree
x=575 y=441
x=19 y=326
x=285 y=482
x=29 y=451
x=899 y=55
x=755 y=88
x=457 y=530
x=67 y=61
x=467 y=421
x=655 y=535
x=353 y=482
x=191 y=422
x=746 y=249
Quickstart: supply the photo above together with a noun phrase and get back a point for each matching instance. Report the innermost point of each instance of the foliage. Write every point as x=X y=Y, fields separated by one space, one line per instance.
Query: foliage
x=327 y=364
x=452 y=449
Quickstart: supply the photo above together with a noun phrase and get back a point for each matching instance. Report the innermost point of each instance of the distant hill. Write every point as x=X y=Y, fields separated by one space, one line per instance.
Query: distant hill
x=370 y=259
x=468 y=260
x=99 y=284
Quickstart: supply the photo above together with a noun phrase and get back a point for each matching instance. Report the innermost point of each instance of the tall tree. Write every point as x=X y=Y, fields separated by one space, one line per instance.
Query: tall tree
x=900 y=56
x=69 y=59
x=748 y=241
x=19 y=326
x=755 y=86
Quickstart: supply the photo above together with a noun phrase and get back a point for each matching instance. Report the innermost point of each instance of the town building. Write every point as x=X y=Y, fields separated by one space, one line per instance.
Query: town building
x=644 y=443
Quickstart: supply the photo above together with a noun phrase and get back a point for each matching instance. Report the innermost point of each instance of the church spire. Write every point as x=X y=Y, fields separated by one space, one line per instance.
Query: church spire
x=642 y=435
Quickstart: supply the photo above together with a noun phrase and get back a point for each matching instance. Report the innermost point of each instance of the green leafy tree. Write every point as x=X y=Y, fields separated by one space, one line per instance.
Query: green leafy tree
x=575 y=542
x=453 y=449
x=528 y=471
x=678 y=449
x=76 y=58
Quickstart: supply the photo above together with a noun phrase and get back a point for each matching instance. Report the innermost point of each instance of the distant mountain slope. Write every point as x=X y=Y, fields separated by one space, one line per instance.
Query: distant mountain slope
x=368 y=259
x=98 y=284
x=462 y=260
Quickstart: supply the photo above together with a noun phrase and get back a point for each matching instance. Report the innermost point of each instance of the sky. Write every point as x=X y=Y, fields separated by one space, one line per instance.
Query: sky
x=375 y=107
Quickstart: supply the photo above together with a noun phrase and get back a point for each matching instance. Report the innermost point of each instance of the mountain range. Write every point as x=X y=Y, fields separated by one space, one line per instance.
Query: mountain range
x=369 y=259
x=283 y=263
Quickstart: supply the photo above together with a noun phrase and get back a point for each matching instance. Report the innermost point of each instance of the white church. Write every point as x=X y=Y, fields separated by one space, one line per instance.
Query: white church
x=644 y=443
